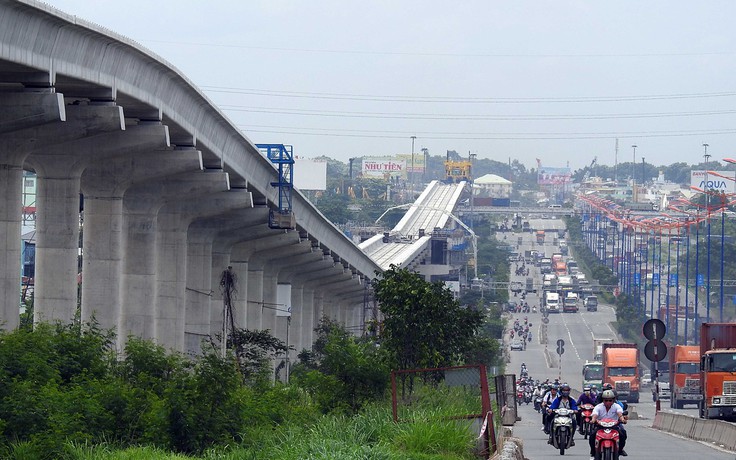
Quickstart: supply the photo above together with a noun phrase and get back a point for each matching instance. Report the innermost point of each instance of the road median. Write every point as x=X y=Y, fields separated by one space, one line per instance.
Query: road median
x=716 y=432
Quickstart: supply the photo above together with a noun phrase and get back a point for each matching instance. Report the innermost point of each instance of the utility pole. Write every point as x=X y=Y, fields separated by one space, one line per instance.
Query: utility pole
x=633 y=177
x=615 y=163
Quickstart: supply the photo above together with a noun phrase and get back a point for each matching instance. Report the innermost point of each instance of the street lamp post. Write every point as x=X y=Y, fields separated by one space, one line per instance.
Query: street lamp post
x=413 y=138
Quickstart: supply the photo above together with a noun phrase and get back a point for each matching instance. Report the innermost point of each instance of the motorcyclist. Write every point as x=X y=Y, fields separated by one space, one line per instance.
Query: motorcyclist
x=585 y=398
x=566 y=402
x=608 y=410
x=547 y=400
x=606 y=386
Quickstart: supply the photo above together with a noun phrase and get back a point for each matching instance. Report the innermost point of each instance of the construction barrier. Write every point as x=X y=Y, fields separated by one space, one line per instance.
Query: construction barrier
x=717 y=432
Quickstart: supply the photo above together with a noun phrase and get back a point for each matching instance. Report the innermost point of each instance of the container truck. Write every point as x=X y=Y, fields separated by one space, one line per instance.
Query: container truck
x=570 y=304
x=545 y=265
x=684 y=375
x=552 y=302
x=621 y=370
x=718 y=370
x=598 y=348
x=592 y=373
x=540 y=236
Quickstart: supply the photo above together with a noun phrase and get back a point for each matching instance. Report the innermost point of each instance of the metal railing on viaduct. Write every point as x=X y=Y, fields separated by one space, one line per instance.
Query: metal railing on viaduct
x=173 y=194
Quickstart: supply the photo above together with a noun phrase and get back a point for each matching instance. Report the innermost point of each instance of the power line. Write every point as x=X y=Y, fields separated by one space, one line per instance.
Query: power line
x=403 y=134
x=435 y=116
x=460 y=100
x=448 y=54
x=493 y=137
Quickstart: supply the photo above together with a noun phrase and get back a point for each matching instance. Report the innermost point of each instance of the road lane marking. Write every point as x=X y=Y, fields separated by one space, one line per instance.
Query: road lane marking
x=564 y=322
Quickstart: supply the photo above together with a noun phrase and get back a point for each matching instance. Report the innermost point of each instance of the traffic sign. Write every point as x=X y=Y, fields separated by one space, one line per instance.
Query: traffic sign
x=654 y=329
x=560 y=343
x=545 y=320
x=655 y=350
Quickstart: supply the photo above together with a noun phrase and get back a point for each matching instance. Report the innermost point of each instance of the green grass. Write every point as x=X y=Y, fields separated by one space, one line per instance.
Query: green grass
x=372 y=435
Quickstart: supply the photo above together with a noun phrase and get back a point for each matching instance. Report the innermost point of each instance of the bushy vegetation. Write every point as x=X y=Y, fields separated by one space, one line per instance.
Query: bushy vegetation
x=66 y=394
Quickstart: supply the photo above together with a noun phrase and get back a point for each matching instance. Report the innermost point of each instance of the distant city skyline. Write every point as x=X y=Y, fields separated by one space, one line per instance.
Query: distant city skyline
x=558 y=81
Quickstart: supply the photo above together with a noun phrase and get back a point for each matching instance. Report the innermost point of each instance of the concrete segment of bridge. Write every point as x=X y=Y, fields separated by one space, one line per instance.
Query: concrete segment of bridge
x=141 y=205
x=307 y=267
x=172 y=241
x=252 y=227
x=271 y=262
x=59 y=169
x=22 y=115
x=103 y=188
x=15 y=149
x=206 y=263
x=23 y=110
x=260 y=290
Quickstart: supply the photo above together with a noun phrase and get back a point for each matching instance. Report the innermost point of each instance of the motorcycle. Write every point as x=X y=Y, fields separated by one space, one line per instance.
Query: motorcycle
x=606 y=440
x=562 y=429
x=534 y=309
x=538 y=403
x=586 y=414
x=527 y=397
x=519 y=397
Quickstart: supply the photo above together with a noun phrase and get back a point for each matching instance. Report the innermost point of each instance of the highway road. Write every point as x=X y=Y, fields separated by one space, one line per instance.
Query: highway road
x=578 y=330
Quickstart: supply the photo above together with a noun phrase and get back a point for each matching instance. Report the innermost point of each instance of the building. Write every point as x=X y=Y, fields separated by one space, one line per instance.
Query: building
x=492 y=186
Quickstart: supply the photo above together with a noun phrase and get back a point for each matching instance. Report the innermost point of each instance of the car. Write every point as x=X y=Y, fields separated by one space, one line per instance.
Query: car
x=517 y=345
x=511 y=306
x=646 y=379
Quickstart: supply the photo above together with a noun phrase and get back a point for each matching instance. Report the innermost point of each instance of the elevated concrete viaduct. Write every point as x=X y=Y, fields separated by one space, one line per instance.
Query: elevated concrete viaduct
x=172 y=194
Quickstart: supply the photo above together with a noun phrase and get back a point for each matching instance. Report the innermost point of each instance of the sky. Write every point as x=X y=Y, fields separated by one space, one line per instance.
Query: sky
x=554 y=80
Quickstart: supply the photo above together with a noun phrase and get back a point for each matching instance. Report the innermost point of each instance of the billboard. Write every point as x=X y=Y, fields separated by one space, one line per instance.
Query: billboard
x=554 y=176
x=310 y=174
x=716 y=182
x=381 y=166
x=416 y=166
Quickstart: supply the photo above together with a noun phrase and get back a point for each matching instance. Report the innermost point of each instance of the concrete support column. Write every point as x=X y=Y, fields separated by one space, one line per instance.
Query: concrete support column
x=268 y=320
x=139 y=276
x=102 y=268
x=318 y=308
x=104 y=186
x=199 y=292
x=255 y=310
x=171 y=276
x=307 y=319
x=242 y=306
x=11 y=200
x=57 y=244
x=23 y=117
x=297 y=309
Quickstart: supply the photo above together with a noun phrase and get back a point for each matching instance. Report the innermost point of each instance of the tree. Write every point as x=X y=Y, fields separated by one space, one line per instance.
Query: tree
x=423 y=325
x=341 y=372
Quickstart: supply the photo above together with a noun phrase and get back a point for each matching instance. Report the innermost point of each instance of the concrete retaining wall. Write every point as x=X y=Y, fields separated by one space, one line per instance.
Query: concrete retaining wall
x=713 y=431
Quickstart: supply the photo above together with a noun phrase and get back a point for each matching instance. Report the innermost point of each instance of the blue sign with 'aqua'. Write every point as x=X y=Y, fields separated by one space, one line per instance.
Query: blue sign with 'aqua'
x=701 y=280
x=637 y=279
x=655 y=278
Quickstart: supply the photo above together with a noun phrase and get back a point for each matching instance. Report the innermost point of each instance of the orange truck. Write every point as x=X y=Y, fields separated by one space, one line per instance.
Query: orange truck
x=684 y=375
x=621 y=370
x=718 y=370
x=540 y=236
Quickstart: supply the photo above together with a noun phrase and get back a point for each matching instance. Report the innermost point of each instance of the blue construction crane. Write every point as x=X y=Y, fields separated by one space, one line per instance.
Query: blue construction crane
x=283 y=158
